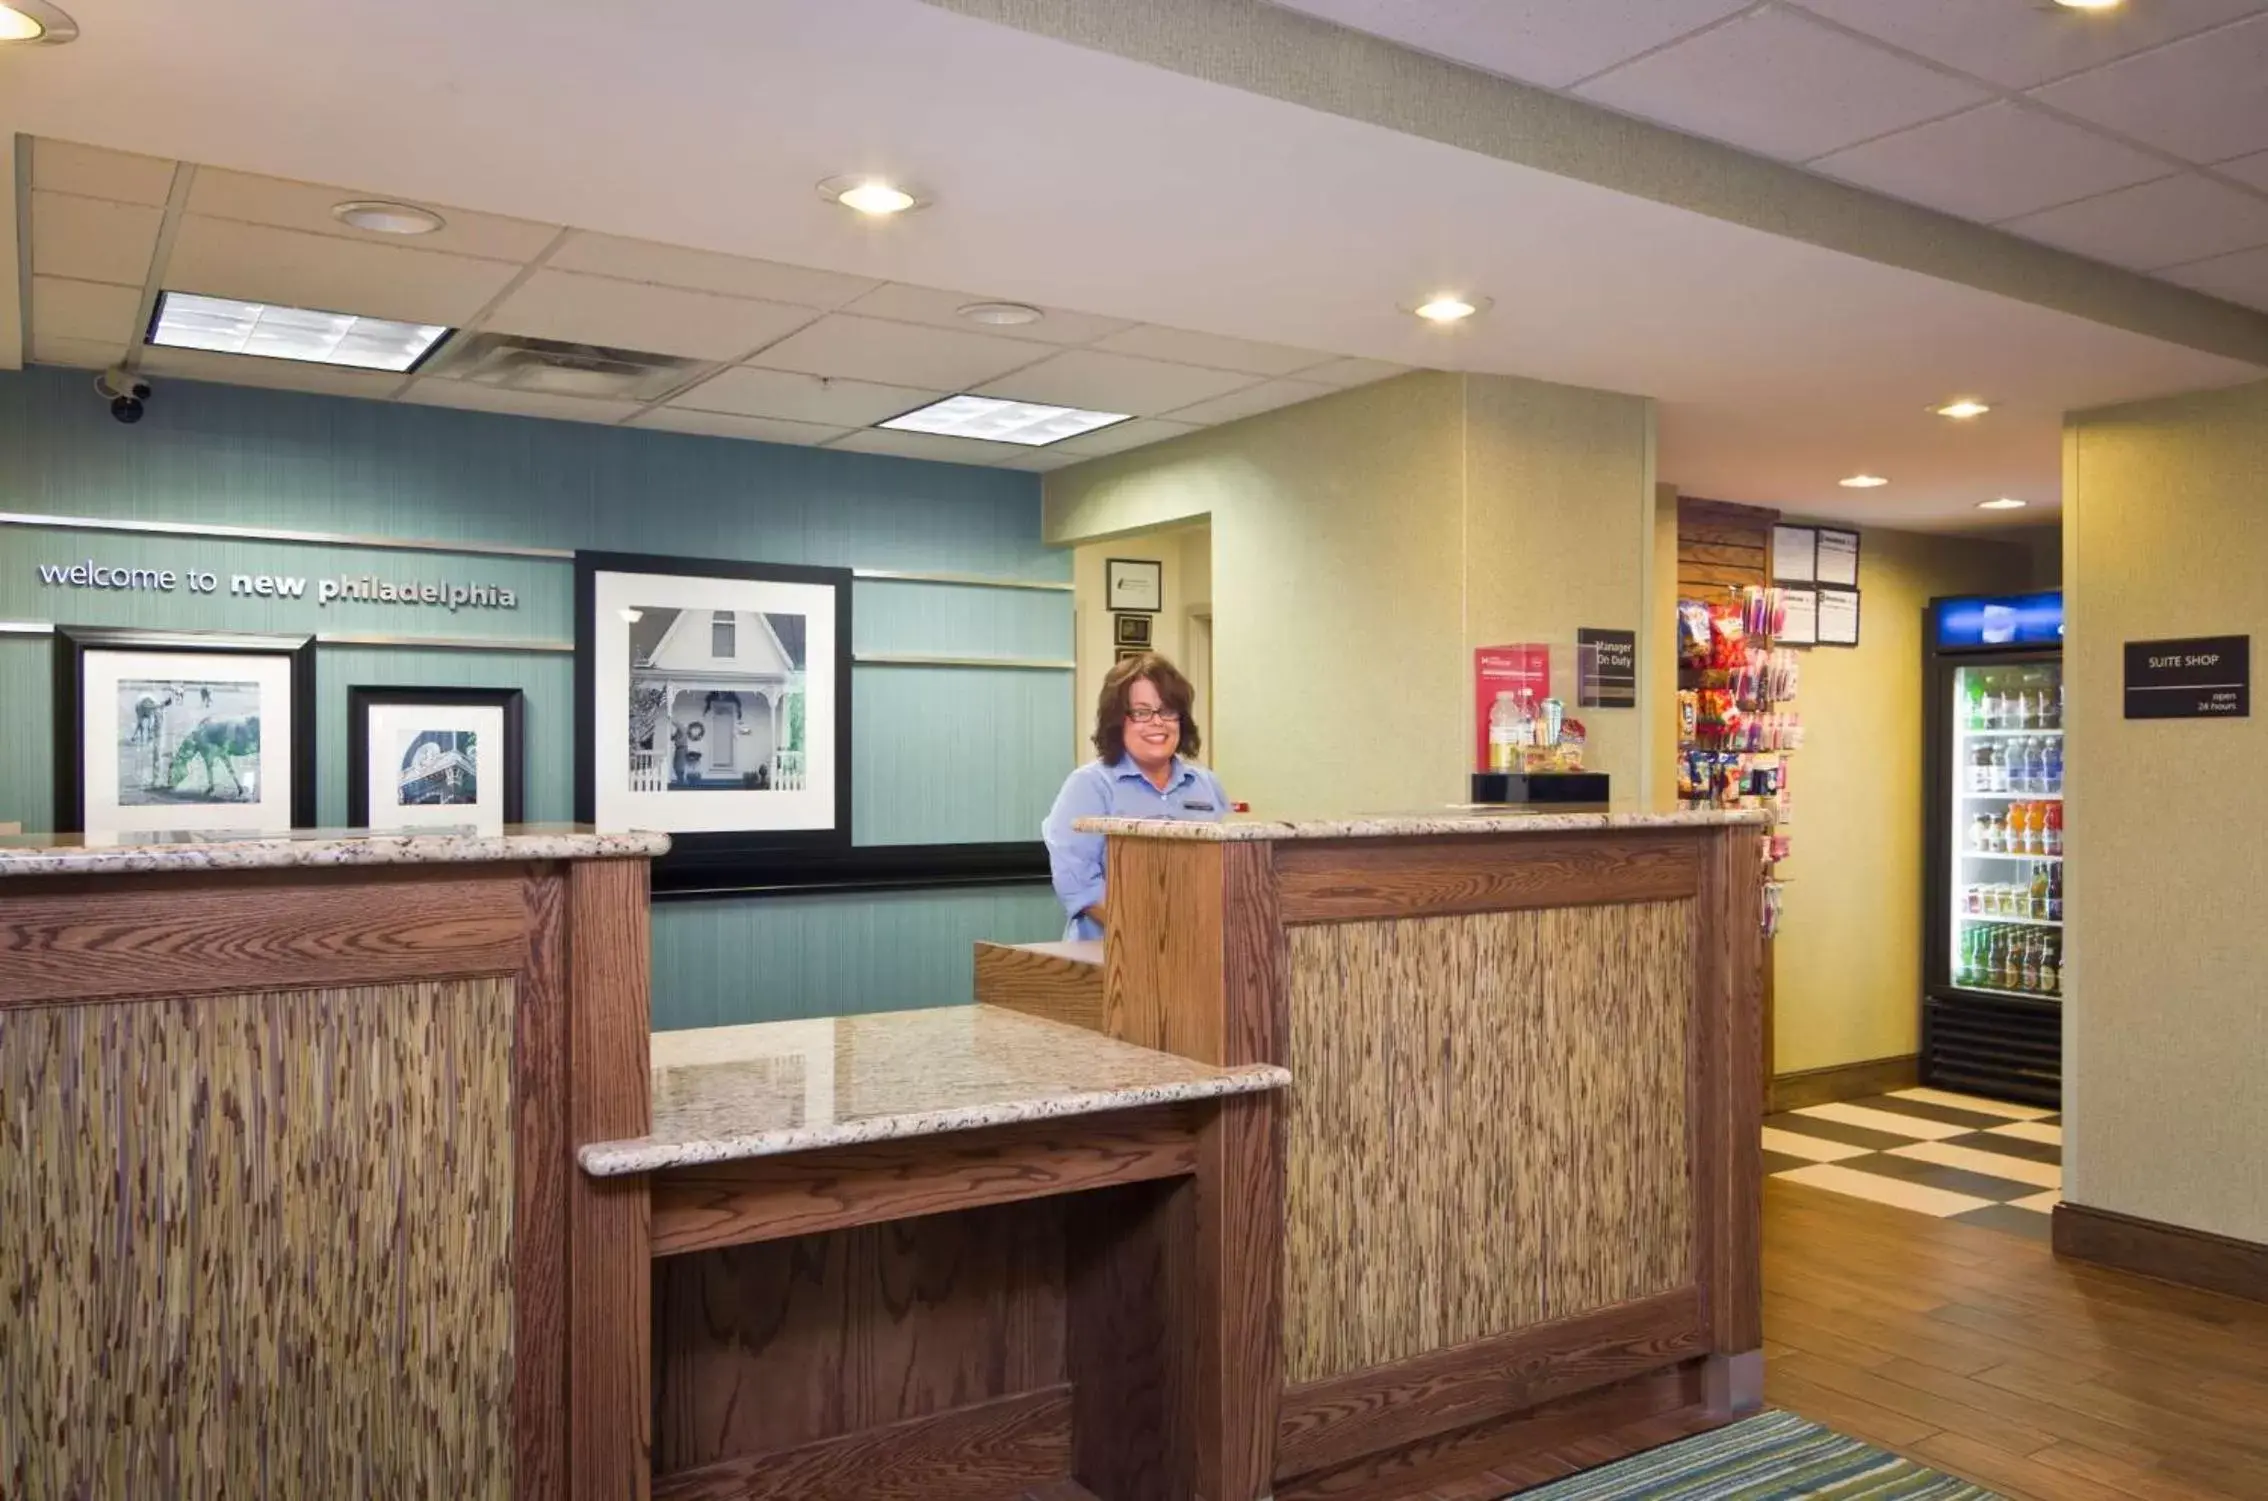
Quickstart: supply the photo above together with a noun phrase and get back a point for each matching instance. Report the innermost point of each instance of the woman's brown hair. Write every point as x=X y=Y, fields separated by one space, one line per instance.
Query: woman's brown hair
x=1174 y=693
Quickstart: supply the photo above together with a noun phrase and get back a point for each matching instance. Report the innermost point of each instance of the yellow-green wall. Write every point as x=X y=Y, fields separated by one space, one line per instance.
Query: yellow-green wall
x=1847 y=965
x=1182 y=554
x=1362 y=545
x=2166 y=955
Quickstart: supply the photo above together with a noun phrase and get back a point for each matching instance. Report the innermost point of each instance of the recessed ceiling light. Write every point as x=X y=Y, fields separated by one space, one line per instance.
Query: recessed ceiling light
x=264 y=331
x=385 y=218
x=1000 y=314
x=2005 y=503
x=35 y=21
x=1963 y=409
x=996 y=421
x=1448 y=307
x=1863 y=482
x=2088 y=4
x=874 y=197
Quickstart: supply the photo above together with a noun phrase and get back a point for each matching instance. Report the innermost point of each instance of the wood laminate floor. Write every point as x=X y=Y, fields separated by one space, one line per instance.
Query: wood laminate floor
x=1978 y=1352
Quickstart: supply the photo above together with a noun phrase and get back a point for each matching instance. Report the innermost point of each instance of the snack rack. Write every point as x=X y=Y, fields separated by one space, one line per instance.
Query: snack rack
x=1737 y=728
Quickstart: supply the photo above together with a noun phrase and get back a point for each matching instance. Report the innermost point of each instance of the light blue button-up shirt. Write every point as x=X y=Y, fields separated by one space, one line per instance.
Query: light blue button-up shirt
x=1119 y=790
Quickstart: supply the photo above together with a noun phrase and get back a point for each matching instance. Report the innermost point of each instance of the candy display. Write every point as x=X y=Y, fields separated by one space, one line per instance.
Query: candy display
x=1735 y=723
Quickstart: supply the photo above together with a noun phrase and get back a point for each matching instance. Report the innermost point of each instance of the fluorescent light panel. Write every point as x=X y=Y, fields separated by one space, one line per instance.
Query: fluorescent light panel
x=266 y=331
x=997 y=421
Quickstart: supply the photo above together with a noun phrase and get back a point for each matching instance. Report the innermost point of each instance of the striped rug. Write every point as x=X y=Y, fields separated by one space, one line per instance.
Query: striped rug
x=1776 y=1456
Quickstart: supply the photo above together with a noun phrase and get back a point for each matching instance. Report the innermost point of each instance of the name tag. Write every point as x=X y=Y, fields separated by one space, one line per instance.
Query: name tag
x=1199 y=808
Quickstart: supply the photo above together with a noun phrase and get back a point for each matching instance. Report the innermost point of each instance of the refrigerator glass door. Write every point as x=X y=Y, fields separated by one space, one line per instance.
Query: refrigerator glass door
x=2005 y=765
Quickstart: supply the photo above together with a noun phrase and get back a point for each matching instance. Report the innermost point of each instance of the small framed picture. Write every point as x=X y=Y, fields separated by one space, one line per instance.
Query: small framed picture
x=183 y=731
x=420 y=757
x=1123 y=654
x=1135 y=584
x=1131 y=630
x=713 y=704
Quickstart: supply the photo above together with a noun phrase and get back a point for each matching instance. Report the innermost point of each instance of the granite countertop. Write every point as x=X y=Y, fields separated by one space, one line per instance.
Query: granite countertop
x=122 y=854
x=1469 y=820
x=721 y=1094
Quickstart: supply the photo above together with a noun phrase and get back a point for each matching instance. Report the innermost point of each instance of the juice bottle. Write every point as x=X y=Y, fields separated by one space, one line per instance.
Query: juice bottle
x=2020 y=829
x=2051 y=829
x=2039 y=893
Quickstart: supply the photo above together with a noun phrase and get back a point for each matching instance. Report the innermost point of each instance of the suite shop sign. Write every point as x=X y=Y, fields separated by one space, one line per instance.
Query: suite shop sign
x=368 y=588
x=2203 y=677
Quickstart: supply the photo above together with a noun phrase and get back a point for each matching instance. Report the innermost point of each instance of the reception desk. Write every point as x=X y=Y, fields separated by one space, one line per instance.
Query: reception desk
x=1520 y=1177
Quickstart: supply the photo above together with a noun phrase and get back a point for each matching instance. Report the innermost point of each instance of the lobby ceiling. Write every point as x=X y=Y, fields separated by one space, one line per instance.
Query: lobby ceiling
x=2136 y=136
x=648 y=180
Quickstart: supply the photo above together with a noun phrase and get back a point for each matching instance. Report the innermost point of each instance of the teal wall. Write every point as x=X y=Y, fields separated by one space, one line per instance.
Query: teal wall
x=941 y=754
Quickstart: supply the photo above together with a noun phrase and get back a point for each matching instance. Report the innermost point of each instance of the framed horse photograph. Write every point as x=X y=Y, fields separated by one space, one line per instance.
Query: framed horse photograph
x=173 y=731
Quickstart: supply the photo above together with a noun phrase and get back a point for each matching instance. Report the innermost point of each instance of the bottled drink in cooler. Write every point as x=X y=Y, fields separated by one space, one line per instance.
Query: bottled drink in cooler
x=2055 y=893
x=2051 y=829
x=2039 y=893
x=2028 y=964
x=2011 y=965
x=2051 y=966
x=2052 y=764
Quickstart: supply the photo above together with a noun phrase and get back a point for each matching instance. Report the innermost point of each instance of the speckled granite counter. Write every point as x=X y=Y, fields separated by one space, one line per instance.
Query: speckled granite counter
x=311 y=849
x=725 y=1093
x=1477 y=820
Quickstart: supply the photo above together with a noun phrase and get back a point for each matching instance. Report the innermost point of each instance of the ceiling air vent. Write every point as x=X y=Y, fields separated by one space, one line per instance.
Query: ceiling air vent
x=556 y=369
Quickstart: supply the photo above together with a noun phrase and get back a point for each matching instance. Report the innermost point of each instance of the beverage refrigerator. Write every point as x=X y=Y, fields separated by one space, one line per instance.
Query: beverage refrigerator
x=1992 y=1007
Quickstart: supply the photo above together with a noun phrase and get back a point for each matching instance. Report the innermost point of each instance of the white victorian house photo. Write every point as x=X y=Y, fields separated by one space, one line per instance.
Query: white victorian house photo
x=716 y=701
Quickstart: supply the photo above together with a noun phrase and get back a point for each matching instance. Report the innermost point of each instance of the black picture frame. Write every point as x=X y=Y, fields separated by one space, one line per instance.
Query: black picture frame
x=1130 y=631
x=362 y=698
x=72 y=645
x=714 y=861
x=1149 y=573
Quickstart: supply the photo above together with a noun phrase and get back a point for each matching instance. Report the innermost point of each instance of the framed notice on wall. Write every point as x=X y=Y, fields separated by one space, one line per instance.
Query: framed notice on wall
x=1838 y=617
x=1836 y=560
x=1794 y=552
x=1799 y=617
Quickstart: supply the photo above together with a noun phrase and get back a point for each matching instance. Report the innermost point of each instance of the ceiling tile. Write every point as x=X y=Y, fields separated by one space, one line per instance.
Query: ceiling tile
x=2205 y=99
x=634 y=315
x=724 y=425
x=939 y=309
x=301 y=205
x=66 y=167
x=222 y=258
x=1120 y=436
x=1994 y=163
x=93 y=240
x=85 y=310
x=749 y=392
x=473 y=396
x=1115 y=383
x=926 y=446
x=280 y=375
x=1346 y=373
x=85 y=354
x=1041 y=460
x=1265 y=397
x=2252 y=169
x=2160 y=223
x=1153 y=342
x=2017 y=44
x=706 y=271
x=1779 y=83
x=2242 y=277
x=1548 y=42
x=870 y=349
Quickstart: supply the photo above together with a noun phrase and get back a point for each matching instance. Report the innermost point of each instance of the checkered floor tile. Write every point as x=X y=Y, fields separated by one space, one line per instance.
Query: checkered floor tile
x=1947 y=1155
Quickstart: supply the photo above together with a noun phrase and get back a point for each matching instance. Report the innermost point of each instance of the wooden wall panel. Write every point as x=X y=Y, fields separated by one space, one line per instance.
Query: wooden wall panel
x=789 y=1343
x=1489 y=1129
x=259 y=1245
x=1042 y=979
x=1345 y=880
x=1721 y=546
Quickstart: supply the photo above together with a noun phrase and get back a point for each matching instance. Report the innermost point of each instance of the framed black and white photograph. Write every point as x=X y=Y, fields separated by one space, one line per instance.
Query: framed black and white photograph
x=434 y=757
x=1134 y=584
x=713 y=702
x=174 y=731
x=1131 y=630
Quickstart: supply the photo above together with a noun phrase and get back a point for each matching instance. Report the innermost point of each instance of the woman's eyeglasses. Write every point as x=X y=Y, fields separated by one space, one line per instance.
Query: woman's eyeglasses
x=1162 y=716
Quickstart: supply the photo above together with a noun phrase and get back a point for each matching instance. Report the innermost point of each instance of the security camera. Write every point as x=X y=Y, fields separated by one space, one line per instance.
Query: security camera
x=127 y=392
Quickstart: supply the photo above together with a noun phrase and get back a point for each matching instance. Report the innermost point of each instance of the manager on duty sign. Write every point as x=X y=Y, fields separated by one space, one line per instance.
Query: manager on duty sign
x=2204 y=677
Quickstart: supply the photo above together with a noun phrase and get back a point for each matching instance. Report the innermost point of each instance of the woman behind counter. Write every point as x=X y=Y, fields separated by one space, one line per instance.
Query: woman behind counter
x=1142 y=727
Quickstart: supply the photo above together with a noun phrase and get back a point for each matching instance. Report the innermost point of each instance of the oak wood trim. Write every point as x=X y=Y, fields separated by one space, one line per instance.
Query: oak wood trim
x=1357 y=879
x=1608 y=1422
x=1727 y=1136
x=976 y=1453
x=609 y=1394
x=2170 y=1253
x=1335 y=1421
x=183 y=936
x=542 y=1164
x=1162 y=960
x=1040 y=984
x=771 y=1198
x=1843 y=1081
